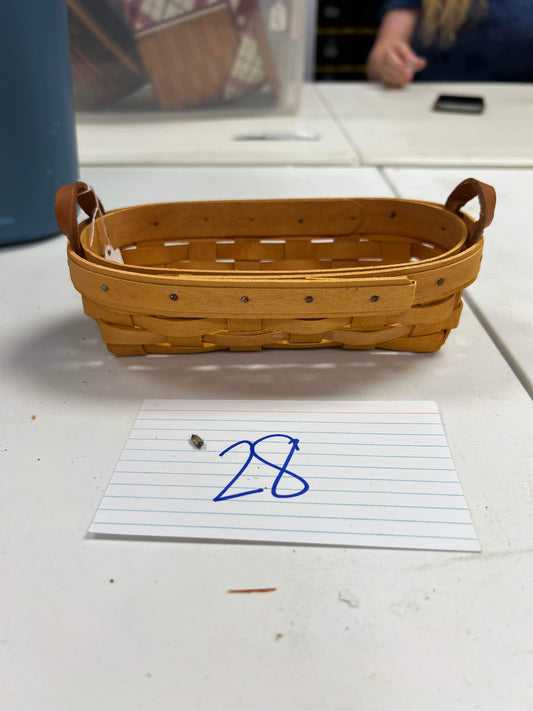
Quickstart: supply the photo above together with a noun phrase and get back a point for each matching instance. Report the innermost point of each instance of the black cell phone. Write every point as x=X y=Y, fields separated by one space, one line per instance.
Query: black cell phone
x=459 y=104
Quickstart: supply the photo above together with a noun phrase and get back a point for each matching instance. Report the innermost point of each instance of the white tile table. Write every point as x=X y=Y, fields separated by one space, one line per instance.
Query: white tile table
x=131 y=625
x=161 y=139
x=397 y=126
x=503 y=292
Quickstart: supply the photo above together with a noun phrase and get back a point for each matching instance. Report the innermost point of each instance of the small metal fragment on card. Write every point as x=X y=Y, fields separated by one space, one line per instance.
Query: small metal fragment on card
x=197 y=441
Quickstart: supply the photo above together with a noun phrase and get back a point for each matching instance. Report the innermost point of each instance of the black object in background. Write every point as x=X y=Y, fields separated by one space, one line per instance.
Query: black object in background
x=346 y=31
x=459 y=104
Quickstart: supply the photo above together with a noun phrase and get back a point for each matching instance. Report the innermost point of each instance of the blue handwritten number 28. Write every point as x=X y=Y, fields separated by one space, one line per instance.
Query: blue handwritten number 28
x=222 y=496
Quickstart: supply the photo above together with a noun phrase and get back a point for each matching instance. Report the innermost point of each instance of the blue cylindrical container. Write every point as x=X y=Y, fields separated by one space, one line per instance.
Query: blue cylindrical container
x=37 y=126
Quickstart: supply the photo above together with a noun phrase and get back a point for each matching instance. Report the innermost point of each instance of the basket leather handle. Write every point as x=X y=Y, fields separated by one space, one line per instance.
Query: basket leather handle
x=463 y=193
x=68 y=197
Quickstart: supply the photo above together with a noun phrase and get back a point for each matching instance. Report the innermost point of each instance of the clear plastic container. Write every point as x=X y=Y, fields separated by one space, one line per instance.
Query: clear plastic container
x=210 y=56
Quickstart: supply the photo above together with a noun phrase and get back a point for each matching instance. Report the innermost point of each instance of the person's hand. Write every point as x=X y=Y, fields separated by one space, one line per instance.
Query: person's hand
x=393 y=63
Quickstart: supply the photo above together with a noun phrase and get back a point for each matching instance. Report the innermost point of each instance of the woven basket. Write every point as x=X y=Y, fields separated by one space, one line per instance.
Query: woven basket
x=247 y=275
x=202 y=51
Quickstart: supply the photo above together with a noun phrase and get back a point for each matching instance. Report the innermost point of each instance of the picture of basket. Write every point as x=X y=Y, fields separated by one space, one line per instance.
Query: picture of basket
x=357 y=273
x=202 y=51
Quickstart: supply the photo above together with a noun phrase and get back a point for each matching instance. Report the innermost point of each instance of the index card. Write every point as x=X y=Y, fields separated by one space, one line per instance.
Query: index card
x=317 y=472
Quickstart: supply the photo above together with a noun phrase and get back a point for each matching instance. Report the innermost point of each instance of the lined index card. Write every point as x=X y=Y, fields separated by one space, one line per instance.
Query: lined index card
x=340 y=473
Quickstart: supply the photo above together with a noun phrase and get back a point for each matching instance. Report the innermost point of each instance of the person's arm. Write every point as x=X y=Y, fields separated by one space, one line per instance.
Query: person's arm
x=391 y=59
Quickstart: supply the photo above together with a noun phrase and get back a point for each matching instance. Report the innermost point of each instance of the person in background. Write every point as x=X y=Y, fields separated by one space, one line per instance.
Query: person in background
x=453 y=40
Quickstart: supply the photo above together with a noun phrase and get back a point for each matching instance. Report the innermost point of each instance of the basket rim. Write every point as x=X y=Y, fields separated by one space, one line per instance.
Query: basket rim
x=265 y=279
x=463 y=221
x=194 y=296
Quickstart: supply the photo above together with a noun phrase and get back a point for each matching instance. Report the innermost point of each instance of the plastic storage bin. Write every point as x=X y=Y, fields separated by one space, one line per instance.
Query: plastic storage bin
x=181 y=55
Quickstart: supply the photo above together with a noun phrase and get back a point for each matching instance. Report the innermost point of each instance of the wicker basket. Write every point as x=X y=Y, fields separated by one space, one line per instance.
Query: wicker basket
x=247 y=275
x=202 y=51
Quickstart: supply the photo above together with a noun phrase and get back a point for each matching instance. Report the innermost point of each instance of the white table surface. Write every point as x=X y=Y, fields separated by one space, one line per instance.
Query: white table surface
x=398 y=127
x=166 y=140
x=502 y=294
x=130 y=625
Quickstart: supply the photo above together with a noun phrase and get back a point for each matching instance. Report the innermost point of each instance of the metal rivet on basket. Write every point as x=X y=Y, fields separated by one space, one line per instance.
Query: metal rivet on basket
x=104 y=287
x=440 y=282
x=393 y=214
x=308 y=299
x=374 y=298
x=173 y=297
x=245 y=299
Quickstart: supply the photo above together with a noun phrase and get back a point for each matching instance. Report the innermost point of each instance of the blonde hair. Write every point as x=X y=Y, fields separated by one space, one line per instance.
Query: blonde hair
x=442 y=19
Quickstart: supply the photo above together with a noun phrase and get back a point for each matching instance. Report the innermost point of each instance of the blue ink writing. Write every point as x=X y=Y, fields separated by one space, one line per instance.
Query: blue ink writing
x=252 y=454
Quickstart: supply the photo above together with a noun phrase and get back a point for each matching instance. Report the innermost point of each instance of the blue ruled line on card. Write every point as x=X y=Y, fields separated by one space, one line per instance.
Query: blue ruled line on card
x=297 y=516
x=300 y=503
x=334 y=454
x=335 y=478
x=342 y=491
x=350 y=444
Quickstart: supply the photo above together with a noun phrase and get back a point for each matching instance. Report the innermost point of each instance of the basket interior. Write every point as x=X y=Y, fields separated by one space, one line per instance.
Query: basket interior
x=285 y=235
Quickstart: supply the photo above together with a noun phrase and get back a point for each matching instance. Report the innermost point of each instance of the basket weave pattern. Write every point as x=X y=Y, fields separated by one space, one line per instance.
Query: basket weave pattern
x=202 y=51
x=244 y=276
